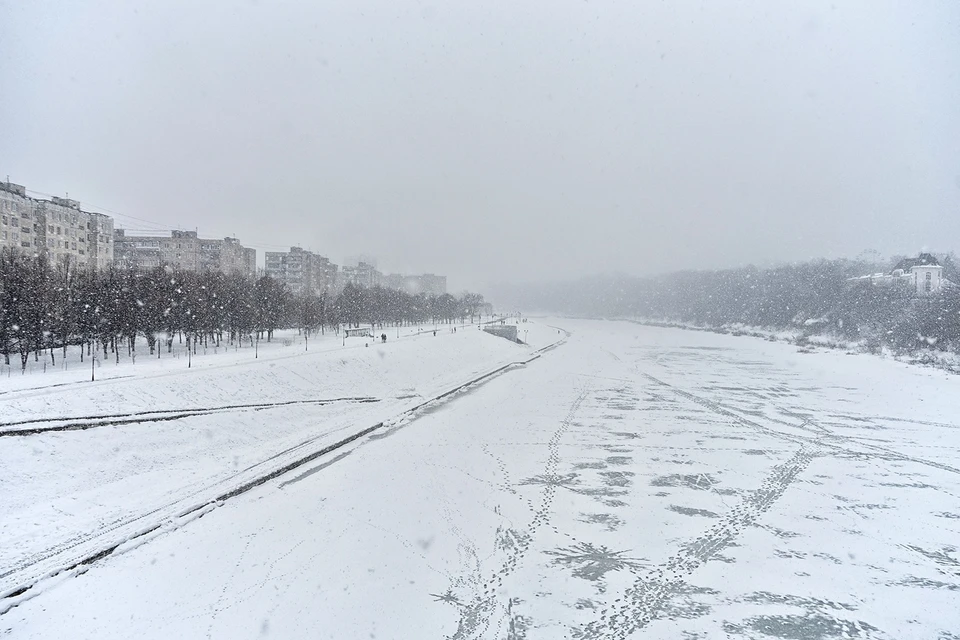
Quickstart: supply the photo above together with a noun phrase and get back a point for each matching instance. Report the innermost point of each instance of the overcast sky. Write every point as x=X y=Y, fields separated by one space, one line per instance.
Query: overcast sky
x=498 y=140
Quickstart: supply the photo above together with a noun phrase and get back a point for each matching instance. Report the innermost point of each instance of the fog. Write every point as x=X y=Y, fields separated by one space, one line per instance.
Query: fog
x=498 y=141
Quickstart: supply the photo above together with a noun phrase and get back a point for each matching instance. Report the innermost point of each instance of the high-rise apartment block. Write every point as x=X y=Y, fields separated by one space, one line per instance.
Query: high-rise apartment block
x=57 y=229
x=302 y=271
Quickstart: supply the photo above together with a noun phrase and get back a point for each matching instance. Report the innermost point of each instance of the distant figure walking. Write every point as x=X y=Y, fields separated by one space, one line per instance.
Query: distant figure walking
x=434 y=333
x=383 y=337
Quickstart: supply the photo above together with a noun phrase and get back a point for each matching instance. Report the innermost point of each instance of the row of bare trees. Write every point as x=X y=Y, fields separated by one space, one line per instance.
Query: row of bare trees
x=45 y=308
x=814 y=297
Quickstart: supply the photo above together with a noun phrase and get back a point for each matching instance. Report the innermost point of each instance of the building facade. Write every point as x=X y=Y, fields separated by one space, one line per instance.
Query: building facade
x=362 y=275
x=427 y=283
x=57 y=229
x=302 y=271
x=16 y=212
x=184 y=250
x=923 y=274
x=432 y=284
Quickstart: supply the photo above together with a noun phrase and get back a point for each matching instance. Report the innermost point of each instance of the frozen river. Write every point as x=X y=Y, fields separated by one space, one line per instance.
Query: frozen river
x=634 y=482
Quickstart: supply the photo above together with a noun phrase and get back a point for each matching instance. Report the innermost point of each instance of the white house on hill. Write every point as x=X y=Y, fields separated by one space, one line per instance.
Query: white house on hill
x=923 y=273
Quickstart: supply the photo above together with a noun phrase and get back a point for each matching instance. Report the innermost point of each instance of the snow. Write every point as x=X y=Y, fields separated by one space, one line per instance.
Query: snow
x=633 y=482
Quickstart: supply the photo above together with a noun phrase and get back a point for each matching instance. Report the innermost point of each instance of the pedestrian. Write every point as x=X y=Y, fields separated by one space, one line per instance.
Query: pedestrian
x=383 y=337
x=434 y=333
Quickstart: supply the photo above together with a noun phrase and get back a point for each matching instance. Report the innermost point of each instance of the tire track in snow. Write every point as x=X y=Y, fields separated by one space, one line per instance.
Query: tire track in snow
x=716 y=407
x=647 y=597
x=477 y=614
x=822 y=437
x=89 y=422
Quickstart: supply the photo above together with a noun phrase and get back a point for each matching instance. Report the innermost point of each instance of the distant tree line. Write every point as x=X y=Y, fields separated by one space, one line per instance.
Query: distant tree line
x=812 y=297
x=45 y=308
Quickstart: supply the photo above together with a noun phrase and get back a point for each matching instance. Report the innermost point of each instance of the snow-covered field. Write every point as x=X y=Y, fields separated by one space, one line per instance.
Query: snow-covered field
x=632 y=482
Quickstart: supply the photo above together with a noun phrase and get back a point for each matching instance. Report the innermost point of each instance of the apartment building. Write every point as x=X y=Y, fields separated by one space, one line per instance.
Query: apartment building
x=16 y=214
x=302 y=271
x=57 y=229
x=184 y=250
x=427 y=283
x=362 y=275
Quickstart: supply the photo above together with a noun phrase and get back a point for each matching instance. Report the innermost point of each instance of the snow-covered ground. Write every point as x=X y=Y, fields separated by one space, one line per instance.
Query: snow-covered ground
x=90 y=465
x=633 y=482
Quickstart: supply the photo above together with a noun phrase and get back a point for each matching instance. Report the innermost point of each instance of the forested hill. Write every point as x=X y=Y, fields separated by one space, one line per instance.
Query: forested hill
x=812 y=296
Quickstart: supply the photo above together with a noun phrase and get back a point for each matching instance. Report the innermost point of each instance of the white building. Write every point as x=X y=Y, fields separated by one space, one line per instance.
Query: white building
x=427 y=283
x=57 y=228
x=923 y=273
x=184 y=250
x=362 y=275
x=302 y=271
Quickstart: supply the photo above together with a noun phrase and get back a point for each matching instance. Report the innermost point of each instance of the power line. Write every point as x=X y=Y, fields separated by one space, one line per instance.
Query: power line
x=104 y=209
x=164 y=227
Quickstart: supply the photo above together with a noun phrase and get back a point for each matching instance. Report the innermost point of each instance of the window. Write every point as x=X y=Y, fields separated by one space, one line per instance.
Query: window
x=24 y=244
x=928 y=282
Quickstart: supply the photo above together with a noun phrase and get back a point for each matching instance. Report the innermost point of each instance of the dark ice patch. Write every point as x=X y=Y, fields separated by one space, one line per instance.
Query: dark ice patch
x=608 y=520
x=617 y=478
x=767 y=597
x=590 y=465
x=699 y=481
x=924 y=583
x=687 y=511
x=807 y=627
x=593 y=562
